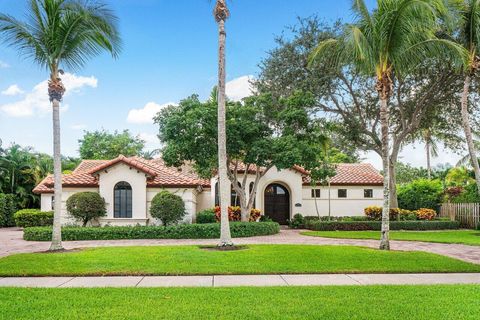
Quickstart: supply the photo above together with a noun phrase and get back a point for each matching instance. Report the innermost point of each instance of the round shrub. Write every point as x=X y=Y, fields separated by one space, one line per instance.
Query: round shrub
x=206 y=216
x=33 y=218
x=168 y=208
x=85 y=206
x=420 y=193
x=426 y=214
x=407 y=215
x=297 y=222
x=375 y=213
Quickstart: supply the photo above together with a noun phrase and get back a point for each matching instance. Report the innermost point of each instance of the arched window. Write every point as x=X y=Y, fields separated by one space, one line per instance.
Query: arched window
x=250 y=188
x=217 y=195
x=122 y=202
x=234 y=199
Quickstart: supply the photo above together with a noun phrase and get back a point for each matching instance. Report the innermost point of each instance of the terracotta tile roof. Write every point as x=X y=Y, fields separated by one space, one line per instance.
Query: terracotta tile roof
x=133 y=162
x=354 y=174
x=159 y=175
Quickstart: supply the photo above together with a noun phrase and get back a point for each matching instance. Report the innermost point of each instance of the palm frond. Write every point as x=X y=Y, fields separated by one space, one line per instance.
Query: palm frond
x=63 y=32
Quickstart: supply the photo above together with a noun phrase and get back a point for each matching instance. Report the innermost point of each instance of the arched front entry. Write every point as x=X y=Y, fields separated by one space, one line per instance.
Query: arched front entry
x=277 y=203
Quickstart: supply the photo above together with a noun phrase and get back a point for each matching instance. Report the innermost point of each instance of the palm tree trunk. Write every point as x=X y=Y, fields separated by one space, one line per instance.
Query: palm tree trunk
x=224 y=182
x=468 y=131
x=384 y=241
x=429 y=166
x=57 y=174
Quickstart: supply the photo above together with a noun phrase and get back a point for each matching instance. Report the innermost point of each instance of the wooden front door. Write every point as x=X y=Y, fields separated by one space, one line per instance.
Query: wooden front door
x=277 y=203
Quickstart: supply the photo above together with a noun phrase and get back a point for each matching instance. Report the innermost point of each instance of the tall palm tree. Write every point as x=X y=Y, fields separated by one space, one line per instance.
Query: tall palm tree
x=221 y=14
x=431 y=148
x=469 y=38
x=385 y=44
x=61 y=33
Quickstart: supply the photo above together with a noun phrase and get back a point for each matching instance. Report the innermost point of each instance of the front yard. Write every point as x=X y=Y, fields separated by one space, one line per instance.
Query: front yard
x=470 y=237
x=255 y=259
x=374 y=302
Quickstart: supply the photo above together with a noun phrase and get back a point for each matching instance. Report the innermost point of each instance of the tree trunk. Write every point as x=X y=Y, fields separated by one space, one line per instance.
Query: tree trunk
x=468 y=131
x=224 y=183
x=393 y=199
x=384 y=241
x=429 y=166
x=57 y=174
x=393 y=158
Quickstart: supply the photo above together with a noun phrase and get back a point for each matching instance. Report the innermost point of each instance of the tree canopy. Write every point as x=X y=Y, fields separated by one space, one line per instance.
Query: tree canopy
x=261 y=132
x=103 y=145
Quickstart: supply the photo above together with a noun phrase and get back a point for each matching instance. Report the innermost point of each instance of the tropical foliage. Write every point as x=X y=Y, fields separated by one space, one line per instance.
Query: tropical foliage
x=22 y=168
x=103 y=145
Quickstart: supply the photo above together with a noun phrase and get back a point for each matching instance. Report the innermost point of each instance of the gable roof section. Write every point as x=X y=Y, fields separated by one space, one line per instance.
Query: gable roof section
x=132 y=162
x=84 y=176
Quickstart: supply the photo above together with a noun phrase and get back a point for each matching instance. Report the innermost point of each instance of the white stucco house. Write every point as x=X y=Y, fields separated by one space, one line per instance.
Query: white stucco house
x=129 y=184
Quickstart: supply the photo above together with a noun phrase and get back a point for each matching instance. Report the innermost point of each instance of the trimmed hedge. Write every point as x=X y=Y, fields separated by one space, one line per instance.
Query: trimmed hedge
x=33 y=218
x=184 y=231
x=377 y=225
x=7 y=209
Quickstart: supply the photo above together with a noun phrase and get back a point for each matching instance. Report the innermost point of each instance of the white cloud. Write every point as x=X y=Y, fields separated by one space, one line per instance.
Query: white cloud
x=148 y=137
x=414 y=154
x=37 y=101
x=79 y=126
x=13 y=90
x=4 y=65
x=239 y=88
x=147 y=113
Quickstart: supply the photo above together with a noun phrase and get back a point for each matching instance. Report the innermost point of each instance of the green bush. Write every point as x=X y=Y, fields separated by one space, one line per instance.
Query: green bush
x=7 y=209
x=265 y=218
x=85 y=206
x=407 y=215
x=377 y=225
x=468 y=195
x=184 y=231
x=420 y=193
x=297 y=222
x=168 y=208
x=206 y=216
x=33 y=218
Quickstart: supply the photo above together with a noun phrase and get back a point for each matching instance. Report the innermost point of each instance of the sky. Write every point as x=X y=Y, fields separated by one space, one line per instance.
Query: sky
x=169 y=52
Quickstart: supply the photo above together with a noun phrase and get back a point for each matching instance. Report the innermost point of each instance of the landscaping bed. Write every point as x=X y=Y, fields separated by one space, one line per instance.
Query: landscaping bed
x=317 y=225
x=184 y=231
x=470 y=237
x=253 y=259
x=458 y=302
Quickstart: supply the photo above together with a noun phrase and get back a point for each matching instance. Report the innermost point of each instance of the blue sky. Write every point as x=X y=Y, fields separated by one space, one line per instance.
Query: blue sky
x=170 y=52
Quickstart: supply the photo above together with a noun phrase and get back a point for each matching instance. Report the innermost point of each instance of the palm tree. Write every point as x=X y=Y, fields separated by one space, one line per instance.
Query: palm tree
x=385 y=44
x=431 y=148
x=469 y=38
x=466 y=161
x=221 y=14
x=61 y=33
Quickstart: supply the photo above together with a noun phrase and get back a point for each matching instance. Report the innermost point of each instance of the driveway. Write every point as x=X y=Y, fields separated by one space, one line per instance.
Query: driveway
x=11 y=242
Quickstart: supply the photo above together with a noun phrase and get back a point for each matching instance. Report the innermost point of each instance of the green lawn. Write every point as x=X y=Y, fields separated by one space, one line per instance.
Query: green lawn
x=333 y=303
x=470 y=237
x=258 y=259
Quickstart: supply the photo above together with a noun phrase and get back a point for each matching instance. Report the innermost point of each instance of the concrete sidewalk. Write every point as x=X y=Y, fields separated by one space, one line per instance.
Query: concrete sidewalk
x=244 y=280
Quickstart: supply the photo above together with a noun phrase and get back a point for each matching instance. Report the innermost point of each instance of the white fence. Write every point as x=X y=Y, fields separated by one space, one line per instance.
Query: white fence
x=468 y=214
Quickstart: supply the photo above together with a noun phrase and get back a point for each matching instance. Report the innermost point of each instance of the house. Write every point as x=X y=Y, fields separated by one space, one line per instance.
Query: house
x=128 y=186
